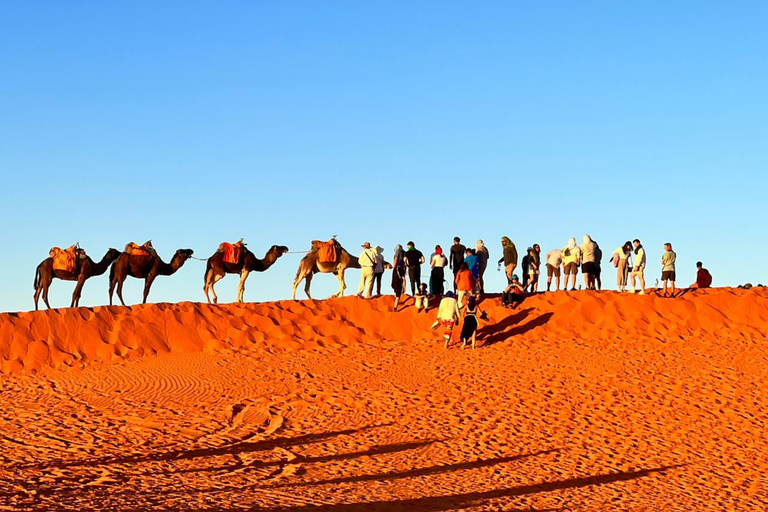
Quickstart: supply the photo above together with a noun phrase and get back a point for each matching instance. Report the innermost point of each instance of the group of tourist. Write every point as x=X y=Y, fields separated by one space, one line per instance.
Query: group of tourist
x=468 y=266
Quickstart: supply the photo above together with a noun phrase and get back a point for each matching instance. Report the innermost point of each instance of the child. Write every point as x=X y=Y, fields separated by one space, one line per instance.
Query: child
x=469 y=328
x=447 y=314
x=513 y=294
x=422 y=299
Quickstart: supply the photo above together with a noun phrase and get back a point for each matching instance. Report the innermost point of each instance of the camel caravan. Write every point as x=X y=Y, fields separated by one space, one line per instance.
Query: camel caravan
x=143 y=262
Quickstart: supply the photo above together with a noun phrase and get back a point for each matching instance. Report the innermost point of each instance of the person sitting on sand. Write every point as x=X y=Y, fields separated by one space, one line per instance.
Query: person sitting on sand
x=447 y=315
x=571 y=262
x=465 y=282
x=514 y=294
x=469 y=327
x=638 y=271
x=703 y=277
x=668 y=268
x=421 y=297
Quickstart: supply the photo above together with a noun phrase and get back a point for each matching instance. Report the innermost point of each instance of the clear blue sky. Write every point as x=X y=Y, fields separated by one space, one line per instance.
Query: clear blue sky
x=192 y=123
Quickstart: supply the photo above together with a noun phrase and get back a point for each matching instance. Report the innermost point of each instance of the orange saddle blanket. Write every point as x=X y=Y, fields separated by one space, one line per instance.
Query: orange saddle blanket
x=231 y=251
x=135 y=249
x=64 y=259
x=326 y=251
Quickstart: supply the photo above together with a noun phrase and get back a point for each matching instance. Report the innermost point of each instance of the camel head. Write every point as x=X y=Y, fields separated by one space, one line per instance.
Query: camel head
x=184 y=254
x=279 y=250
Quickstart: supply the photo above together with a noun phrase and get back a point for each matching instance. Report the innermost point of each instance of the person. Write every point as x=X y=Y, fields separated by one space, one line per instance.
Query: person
x=588 y=262
x=620 y=259
x=638 y=269
x=526 y=264
x=554 y=260
x=447 y=314
x=437 y=276
x=598 y=266
x=571 y=262
x=483 y=256
x=513 y=294
x=534 y=268
x=509 y=257
x=398 y=274
x=465 y=283
x=422 y=298
x=414 y=258
x=470 y=258
x=469 y=327
x=703 y=277
x=378 y=269
x=668 y=268
x=367 y=261
x=457 y=258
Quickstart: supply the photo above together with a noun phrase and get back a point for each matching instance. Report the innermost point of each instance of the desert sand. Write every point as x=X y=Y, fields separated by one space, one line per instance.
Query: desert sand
x=576 y=401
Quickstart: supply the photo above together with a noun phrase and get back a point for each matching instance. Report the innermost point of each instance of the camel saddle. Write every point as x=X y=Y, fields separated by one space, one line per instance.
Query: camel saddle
x=232 y=252
x=66 y=259
x=134 y=249
x=326 y=251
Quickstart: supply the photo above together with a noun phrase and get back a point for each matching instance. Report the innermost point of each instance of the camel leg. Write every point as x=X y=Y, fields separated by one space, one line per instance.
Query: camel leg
x=40 y=286
x=76 y=294
x=215 y=278
x=307 y=284
x=120 y=282
x=147 y=285
x=342 y=284
x=46 y=286
x=297 y=282
x=241 y=285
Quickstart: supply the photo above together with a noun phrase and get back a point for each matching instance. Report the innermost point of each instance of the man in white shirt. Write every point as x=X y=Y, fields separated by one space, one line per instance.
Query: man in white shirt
x=554 y=260
x=639 y=269
x=367 y=265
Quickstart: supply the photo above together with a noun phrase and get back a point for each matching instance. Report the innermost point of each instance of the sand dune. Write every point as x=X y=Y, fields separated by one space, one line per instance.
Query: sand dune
x=579 y=401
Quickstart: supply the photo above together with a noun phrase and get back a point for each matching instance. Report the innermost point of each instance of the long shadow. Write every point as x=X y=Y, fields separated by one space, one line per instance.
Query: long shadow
x=466 y=500
x=233 y=448
x=502 y=331
x=428 y=471
x=377 y=450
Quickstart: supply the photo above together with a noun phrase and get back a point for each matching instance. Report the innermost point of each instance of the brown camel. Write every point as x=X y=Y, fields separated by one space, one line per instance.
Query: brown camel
x=85 y=268
x=217 y=268
x=143 y=267
x=309 y=266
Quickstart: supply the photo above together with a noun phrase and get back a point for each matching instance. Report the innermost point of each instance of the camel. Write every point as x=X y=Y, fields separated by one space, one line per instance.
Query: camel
x=309 y=266
x=143 y=267
x=217 y=268
x=85 y=268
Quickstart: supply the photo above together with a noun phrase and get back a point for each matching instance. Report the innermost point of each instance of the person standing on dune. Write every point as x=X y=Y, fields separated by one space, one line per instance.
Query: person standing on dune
x=437 y=275
x=367 y=261
x=668 y=268
x=509 y=257
x=554 y=260
x=620 y=259
x=588 y=262
x=638 y=270
x=414 y=258
x=465 y=283
x=571 y=262
x=598 y=266
x=481 y=251
x=398 y=274
x=378 y=269
x=456 y=258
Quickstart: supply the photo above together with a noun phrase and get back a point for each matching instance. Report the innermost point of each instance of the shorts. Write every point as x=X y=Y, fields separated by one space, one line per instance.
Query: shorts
x=553 y=271
x=588 y=267
x=668 y=275
x=571 y=269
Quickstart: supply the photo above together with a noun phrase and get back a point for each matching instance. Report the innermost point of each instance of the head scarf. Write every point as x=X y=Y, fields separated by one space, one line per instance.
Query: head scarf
x=587 y=239
x=438 y=250
x=506 y=240
x=480 y=245
x=515 y=278
x=449 y=293
x=572 y=243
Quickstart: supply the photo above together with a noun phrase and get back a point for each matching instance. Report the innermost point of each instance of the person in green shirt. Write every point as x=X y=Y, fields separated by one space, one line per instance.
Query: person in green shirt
x=668 y=268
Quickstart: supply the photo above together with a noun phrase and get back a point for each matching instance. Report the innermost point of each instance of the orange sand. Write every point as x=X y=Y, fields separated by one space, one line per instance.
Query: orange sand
x=579 y=401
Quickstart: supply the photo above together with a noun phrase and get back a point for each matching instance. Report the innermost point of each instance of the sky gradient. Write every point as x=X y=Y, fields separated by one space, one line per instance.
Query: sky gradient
x=193 y=123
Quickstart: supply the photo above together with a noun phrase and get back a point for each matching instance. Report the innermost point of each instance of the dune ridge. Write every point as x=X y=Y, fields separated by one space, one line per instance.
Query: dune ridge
x=34 y=341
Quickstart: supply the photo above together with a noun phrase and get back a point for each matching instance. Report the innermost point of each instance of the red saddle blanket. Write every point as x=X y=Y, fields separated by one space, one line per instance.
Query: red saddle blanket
x=231 y=251
x=326 y=252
